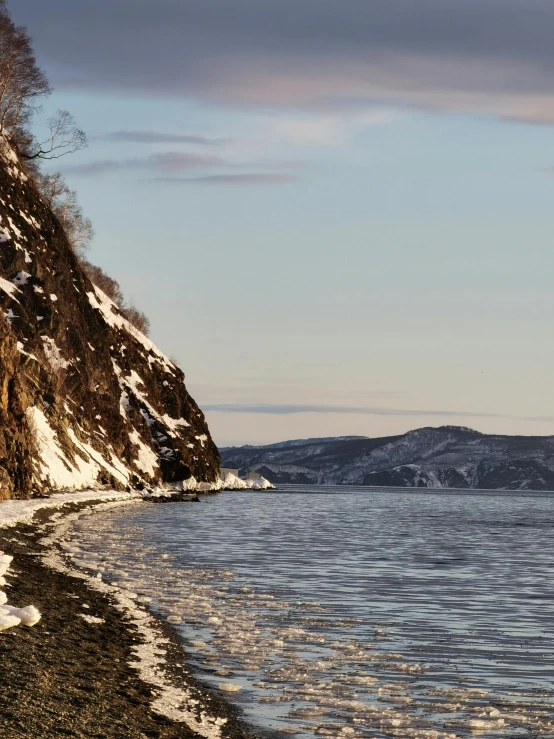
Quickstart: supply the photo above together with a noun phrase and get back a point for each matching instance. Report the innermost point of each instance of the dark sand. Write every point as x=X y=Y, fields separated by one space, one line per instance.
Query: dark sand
x=66 y=678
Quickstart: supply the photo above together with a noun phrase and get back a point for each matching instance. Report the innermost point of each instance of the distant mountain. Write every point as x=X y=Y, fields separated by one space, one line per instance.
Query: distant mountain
x=444 y=457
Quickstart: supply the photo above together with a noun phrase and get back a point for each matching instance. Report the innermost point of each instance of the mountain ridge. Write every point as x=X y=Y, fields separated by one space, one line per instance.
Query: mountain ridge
x=438 y=457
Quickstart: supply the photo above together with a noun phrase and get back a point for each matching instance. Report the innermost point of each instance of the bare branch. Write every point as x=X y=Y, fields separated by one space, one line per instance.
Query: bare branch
x=52 y=187
x=64 y=204
x=64 y=138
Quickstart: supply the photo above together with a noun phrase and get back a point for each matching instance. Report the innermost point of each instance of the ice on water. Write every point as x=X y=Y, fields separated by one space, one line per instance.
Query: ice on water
x=298 y=666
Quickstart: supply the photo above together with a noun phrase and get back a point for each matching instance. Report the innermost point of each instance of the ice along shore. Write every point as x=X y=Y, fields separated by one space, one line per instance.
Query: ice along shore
x=97 y=664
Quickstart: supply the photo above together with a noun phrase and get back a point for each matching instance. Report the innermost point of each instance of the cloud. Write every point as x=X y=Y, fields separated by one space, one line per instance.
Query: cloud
x=158 y=137
x=284 y=410
x=270 y=178
x=167 y=166
x=317 y=129
x=167 y=162
x=491 y=57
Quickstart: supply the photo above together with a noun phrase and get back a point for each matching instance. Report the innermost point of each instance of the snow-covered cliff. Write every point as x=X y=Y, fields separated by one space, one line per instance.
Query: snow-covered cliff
x=91 y=398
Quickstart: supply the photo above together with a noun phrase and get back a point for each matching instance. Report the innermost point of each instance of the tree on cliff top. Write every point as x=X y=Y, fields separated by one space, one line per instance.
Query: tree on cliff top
x=23 y=86
x=22 y=83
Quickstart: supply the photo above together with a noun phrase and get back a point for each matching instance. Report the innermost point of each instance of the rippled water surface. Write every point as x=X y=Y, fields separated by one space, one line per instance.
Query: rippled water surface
x=352 y=611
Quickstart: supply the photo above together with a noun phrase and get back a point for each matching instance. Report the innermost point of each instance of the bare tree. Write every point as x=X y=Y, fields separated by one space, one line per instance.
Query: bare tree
x=113 y=290
x=78 y=229
x=22 y=82
x=52 y=187
x=64 y=204
x=22 y=86
x=64 y=138
x=137 y=318
x=106 y=283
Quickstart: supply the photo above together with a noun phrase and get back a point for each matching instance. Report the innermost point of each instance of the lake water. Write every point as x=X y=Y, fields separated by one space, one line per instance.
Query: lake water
x=353 y=611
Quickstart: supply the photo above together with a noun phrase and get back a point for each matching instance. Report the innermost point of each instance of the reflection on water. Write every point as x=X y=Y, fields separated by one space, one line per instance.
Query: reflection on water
x=352 y=611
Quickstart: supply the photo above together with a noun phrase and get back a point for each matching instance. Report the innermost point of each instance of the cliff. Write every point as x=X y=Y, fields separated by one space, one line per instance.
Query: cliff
x=86 y=399
x=446 y=457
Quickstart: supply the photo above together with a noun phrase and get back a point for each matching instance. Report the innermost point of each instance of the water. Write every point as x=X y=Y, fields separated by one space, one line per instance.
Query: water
x=353 y=611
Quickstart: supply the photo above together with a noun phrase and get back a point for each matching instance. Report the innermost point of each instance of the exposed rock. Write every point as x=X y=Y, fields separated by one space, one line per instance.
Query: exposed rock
x=106 y=405
x=16 y=442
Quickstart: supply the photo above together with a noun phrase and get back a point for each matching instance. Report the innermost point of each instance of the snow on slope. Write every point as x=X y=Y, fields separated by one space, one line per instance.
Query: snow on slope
x=105 y=404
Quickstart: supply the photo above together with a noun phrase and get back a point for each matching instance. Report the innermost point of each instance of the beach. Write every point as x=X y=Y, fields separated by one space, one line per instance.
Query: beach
x=80 y=672
x=152 y=615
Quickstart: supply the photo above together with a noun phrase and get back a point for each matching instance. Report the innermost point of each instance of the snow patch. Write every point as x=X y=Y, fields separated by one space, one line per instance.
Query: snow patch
x=61 y=472
x=147 y=460
x=13 y=512
x=21 y=350
x=21 y=278
x=132 y=383
x=99 y=300
x=9 y=288
x=53 y=354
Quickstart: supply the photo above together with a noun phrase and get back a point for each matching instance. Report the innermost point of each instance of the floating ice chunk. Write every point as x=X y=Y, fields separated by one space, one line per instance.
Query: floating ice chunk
x=230 y=687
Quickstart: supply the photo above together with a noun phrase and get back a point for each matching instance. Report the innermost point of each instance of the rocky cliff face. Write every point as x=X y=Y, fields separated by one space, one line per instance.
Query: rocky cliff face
x=446 y=457
x=86 y=398
x=16 y=444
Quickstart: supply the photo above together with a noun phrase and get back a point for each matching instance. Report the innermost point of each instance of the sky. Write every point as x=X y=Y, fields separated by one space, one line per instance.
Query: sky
x=336 y=213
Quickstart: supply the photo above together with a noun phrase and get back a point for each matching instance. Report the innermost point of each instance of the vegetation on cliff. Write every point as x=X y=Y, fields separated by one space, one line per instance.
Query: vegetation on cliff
x=86 y=397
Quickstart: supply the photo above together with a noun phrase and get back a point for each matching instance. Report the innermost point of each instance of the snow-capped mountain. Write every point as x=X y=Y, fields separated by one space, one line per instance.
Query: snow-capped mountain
x=445 y=457
x=85 y=398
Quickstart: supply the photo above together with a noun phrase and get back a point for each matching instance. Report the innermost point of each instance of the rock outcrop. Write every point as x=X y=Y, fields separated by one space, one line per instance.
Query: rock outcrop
x=16 y=442
x=86 y=398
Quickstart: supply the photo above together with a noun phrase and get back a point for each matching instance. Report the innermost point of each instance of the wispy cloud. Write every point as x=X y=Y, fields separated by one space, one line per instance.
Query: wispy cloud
x=167 y=162
x=270 y=178
x=284 y=409
x=166 y=167
x=159 y=137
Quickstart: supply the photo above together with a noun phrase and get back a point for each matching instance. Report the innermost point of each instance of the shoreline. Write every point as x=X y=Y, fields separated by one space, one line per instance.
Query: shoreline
x=97 y=665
